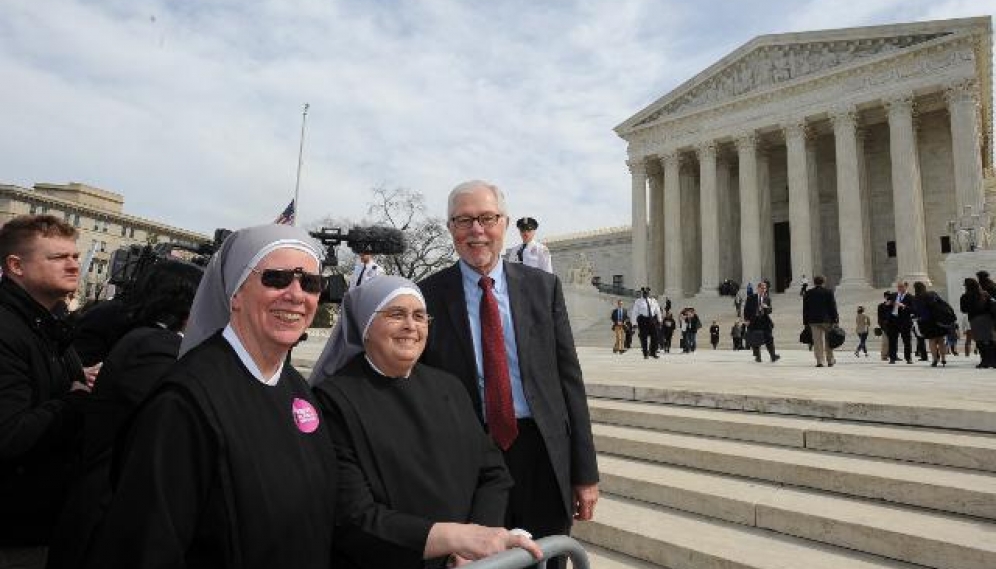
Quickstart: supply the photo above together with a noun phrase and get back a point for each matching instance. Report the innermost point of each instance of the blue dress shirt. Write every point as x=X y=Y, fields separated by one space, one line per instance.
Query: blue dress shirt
x=472 y=292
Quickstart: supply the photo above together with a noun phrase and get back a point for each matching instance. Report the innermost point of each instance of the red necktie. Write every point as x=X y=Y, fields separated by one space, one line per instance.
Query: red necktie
x=497 y=386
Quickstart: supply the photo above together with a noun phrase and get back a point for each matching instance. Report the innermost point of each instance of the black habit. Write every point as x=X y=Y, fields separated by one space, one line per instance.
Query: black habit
x=221 y=470
x=411 y=453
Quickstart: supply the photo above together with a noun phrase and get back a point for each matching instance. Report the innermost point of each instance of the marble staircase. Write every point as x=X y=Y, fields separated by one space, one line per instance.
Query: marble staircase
x=705 y=486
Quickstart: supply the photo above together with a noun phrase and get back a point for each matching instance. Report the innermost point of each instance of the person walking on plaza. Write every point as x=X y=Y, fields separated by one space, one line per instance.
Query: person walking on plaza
x=714 y=335
x=667 y=331
x=647 y=312
x=900 y=323
x=862 y=325
x=757 y=311
x=690 y=325
x=619 y=317
x=935 y=318
x=819 y=312
x=737 y=334
x=738 y=302
x=977 y=305
x=966 y=328
x=882 y=319
x=805 y=285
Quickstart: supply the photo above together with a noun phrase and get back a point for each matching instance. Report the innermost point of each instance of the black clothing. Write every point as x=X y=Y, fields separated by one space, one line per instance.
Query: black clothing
x=927 y=309
x=40 y=419
x=221 y=470
x=130 y=373
x=667 y=332
x=649 y=341
x=899 y=324
x=819 y=306
x=758 y=314
x=979 y=309
x=410 y=453
x=98 y=329
x=714 y=335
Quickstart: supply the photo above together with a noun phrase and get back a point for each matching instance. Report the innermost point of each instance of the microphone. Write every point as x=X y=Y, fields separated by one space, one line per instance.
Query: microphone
x=376 y=240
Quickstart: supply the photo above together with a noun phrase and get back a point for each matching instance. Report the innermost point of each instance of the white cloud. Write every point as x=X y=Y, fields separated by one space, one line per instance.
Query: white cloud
x=192 y=109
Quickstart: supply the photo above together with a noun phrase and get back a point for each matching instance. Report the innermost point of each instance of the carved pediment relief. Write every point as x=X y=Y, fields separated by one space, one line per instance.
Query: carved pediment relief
x=769 y=65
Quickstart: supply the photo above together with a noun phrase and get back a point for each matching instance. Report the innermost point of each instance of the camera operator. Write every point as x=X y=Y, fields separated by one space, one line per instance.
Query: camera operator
x=42 y=384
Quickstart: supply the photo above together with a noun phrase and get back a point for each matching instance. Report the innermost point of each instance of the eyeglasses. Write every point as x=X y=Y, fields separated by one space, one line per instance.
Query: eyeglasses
x=400 y=315
x=467 y=221
x=280 y=279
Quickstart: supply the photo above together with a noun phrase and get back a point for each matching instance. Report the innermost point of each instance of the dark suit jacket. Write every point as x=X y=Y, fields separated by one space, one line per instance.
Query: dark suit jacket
x=625 y=316
x=819 y=306
x=758 y=318
x=904 y=319
x=548 y=362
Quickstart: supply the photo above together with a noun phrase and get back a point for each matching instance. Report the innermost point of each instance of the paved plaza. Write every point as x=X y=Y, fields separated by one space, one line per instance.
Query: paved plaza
x=956 y=390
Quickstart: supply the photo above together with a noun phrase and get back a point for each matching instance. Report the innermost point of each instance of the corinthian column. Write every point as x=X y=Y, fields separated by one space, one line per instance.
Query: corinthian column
x=709 y=208
x=638 y=171
x=750 y=221
x=963 y=105
x=800 y=234
x=849 y=211
x=673 y=258
x=655 y=243
x=907 y=194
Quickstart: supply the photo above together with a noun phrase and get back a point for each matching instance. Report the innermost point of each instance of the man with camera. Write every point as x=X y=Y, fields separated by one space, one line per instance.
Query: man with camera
x=42 y=384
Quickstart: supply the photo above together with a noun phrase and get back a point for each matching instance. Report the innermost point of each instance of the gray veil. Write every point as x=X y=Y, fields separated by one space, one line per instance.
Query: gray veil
x=230 y=267
x=359 y=306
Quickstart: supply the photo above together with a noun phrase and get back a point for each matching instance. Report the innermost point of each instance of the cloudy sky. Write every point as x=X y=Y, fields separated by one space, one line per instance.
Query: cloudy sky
x=192 y=109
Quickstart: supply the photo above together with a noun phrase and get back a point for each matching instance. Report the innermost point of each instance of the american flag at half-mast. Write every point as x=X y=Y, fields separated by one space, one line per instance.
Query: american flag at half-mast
x=287 y=217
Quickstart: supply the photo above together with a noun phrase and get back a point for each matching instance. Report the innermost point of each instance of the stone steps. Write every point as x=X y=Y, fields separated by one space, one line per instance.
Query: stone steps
x=940 y=488
x=819 y=405
x=917 y=536
x=921 y=445
x=680 y=540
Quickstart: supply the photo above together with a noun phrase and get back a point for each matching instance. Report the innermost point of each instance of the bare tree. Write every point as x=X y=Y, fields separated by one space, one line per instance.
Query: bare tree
x=429 y=247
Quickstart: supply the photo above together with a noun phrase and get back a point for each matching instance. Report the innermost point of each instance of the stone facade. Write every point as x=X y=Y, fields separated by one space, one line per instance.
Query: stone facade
x=604 y=253
x=842 y=152
x=99 y=217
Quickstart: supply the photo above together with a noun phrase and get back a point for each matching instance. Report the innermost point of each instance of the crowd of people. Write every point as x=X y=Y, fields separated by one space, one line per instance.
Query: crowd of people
x=926 y=324
x=188 y=439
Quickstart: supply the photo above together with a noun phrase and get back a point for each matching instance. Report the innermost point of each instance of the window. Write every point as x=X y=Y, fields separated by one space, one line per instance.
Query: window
x=890 y=249
x=617 y=281
x=65 y=217
x=100 y=266
x=34 y=209
x=105 y=226
x=76 y=220
x=103 y=246
x=96 y=224
x=131 y=232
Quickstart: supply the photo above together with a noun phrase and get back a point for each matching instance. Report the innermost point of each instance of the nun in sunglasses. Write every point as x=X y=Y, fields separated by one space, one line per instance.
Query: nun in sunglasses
x=229 y=464
x=419 y=480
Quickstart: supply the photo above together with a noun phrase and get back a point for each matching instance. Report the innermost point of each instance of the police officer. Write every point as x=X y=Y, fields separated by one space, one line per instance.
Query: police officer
x=531 y=252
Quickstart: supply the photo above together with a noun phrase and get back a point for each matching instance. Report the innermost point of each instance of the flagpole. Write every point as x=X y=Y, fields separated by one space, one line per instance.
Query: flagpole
x=300 y=155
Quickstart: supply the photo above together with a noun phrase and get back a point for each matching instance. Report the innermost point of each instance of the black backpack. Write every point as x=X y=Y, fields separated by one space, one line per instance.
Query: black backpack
x=942 y=312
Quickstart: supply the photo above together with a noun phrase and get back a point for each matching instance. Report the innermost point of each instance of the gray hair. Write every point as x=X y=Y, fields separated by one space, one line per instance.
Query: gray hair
x=470 y=187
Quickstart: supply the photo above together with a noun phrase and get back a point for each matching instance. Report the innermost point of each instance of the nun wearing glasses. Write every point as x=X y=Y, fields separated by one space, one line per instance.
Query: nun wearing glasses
x=229 y=464
x=419 y=480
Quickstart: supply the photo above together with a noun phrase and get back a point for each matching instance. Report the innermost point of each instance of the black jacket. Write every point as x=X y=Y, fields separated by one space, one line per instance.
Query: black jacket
x=758 y=315
x=40 y=420
x=819 y=306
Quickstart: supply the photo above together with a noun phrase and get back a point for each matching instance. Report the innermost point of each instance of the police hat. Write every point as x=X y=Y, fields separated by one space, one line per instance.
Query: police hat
x=527 y=224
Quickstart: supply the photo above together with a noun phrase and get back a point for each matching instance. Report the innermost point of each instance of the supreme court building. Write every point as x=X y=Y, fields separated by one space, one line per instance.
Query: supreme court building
x=839 y=152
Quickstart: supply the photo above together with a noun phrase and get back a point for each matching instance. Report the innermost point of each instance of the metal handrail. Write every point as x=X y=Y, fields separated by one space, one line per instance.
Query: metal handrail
x=552 y=546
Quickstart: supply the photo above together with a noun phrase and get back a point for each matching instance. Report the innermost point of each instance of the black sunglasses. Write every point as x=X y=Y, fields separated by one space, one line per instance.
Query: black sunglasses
x=282 y=278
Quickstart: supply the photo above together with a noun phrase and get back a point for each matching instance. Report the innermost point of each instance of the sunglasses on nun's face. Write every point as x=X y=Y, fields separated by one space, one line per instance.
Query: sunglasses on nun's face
x=280 y=279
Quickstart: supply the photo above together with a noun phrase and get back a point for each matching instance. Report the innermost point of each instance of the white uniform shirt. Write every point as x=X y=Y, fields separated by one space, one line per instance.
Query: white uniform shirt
x=645 y=307
x=535 y=254
x=373 y=270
